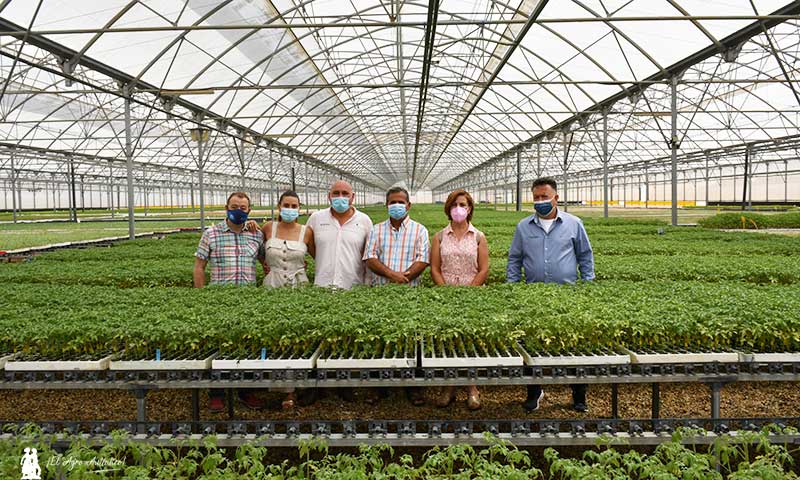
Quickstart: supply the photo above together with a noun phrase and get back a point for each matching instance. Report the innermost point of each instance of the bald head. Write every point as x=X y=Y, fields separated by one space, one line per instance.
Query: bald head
x=341 y=188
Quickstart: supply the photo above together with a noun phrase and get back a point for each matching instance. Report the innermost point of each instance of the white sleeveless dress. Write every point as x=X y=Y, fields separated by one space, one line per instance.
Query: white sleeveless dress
x=286 y=260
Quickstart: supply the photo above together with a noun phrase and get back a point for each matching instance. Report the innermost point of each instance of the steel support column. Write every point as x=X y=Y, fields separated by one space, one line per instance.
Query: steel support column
x=605 y=164
x=745 y=178
x=13 y=189
x=129 y=164
x=674 y=144
x=519 y=180
x=111 y=188
x=72 y=194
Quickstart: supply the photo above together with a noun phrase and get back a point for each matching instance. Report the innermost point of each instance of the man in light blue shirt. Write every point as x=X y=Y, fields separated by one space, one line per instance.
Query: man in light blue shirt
x=552 y=247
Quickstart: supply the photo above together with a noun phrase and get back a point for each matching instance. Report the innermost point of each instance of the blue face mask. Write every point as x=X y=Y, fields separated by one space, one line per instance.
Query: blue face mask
x=397 y=211
x=237 y=217
x=340 y=204
x=289 y=215
x=543 y=208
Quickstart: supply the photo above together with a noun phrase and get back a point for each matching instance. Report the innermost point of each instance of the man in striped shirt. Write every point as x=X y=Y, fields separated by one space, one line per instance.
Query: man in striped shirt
x=398 y=250
x=232 y=249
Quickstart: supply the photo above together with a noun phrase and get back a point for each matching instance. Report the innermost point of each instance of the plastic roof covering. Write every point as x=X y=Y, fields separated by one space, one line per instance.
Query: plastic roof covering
x=342 y=84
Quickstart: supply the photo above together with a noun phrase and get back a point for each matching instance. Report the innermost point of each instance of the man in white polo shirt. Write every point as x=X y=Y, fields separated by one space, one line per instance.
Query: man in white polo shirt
x=340 y=234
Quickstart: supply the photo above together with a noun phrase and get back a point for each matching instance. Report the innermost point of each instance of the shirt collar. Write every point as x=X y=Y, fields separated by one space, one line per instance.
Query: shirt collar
x=536 y=218
x=224 y=227
x=333 y=218
x=403 y=225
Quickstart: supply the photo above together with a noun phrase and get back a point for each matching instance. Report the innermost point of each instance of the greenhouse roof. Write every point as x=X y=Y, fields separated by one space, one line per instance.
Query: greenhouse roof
x=391 y=92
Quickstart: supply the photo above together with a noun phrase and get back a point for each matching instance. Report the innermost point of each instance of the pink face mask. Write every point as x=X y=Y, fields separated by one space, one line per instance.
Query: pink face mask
x=458 y=214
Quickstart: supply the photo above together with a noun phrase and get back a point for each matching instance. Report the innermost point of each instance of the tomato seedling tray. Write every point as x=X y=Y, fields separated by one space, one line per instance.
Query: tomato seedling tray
x=276 y=360
x=459 y=353
x=36 y=363
x=187 y=361
x=683 y=356
x=599 y=358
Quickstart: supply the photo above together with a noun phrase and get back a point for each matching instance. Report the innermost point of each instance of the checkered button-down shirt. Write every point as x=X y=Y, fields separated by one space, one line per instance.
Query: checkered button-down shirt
x=398 y=249
x=232 y=256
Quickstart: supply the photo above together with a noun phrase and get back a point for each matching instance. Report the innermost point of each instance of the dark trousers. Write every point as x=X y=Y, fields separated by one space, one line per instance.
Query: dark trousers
x=578 y=393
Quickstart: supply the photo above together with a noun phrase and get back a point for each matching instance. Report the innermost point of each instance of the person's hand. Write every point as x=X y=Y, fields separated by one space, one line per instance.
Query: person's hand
x=251 y=226
x=266 y=268
x=397 y=277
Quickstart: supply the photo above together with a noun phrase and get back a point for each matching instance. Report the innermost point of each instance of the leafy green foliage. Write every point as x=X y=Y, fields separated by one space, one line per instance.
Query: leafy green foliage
x=675 y=460
x=751 y=457
x=658 y=287
x=550 y=318
x=752 y=220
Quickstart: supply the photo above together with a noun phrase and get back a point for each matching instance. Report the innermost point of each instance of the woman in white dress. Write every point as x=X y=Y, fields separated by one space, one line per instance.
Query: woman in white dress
x=286 y=244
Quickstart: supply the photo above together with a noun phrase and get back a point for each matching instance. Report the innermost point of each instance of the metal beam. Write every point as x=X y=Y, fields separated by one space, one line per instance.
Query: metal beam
x=18 y=31
x=430 y=37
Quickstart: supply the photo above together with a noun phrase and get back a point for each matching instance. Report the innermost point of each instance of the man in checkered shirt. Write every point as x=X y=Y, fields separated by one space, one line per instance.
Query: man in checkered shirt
x=232 y=249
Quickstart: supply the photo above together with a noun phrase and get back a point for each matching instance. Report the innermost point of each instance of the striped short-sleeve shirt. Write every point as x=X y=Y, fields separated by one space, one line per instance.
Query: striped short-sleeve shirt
x=231 y=256
x=398 y=249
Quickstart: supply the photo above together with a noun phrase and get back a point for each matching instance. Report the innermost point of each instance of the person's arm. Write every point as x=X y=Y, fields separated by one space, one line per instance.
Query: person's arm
x=422 y=255
x=378 y=268
x=483 y=262
x=202 y=255
x=415 y=270
x=584 y=255
x=266 y=232
x=312 y=247
x=514 y=267
x=436 y=261
x=368 y=227
x=199 y=274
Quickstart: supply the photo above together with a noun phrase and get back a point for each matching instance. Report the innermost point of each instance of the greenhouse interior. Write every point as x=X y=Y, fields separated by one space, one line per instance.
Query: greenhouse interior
x=400 y=239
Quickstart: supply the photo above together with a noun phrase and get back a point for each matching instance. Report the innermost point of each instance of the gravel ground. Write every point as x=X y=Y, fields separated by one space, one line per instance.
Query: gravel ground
x=677 y=401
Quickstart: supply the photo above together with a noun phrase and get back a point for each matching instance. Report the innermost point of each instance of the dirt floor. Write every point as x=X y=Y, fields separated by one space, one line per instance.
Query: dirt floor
x=677 y=401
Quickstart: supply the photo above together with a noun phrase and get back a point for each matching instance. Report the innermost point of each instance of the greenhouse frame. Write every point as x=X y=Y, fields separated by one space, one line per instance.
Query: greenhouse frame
x=171 y=170
x=486 y=96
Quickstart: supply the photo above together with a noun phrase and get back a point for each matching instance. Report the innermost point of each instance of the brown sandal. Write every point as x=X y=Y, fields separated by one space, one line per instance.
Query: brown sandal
x=474 y=401
x=288 y=403
x=447 y=397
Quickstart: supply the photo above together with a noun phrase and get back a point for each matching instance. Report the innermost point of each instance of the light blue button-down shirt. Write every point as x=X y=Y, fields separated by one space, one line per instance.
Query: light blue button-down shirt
x=553 y=257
